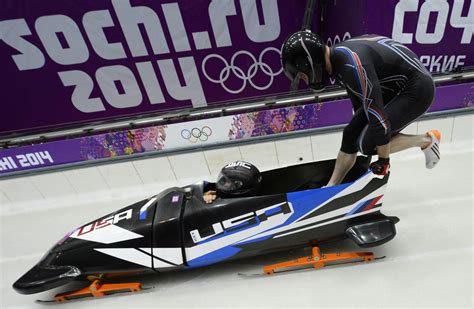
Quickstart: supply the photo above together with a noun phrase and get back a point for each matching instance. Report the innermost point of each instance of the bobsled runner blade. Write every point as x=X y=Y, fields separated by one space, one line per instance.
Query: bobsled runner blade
x=97 y=289
x=317 y=261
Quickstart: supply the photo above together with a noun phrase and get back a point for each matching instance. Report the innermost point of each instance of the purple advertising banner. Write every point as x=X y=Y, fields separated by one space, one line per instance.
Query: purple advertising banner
x=439 y=32
x=69 y=62
x=204 y=132
x=39 y=156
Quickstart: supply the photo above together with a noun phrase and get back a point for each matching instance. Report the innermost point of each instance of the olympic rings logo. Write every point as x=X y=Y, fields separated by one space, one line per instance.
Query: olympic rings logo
x=196 y=134
x=240 y=73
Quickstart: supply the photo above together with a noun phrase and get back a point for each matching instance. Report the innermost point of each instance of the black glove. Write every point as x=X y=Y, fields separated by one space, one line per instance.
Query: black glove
x=381 y=166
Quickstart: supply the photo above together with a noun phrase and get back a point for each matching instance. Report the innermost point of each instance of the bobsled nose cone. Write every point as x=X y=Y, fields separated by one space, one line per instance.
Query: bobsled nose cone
x=41 y=278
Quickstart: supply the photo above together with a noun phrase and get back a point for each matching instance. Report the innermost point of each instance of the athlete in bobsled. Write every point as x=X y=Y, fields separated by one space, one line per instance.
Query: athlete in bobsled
x=255 y=213
x=236 y=179
x=387 y=84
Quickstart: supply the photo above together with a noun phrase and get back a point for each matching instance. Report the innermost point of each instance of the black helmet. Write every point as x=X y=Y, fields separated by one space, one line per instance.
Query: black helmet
x=238 y=179
x=303 y=52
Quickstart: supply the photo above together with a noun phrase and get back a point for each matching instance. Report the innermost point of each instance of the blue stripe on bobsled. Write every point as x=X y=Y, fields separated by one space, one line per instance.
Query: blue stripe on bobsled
x=306 y=201
x=301 y=205
x=214 y=257
x=271 y=212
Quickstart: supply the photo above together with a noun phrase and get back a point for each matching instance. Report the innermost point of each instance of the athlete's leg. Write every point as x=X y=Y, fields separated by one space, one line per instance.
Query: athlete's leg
x=403 y=141
x=402 y=110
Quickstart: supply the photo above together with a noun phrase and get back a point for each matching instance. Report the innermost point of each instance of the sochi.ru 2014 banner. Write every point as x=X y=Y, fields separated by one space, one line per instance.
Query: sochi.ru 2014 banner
x=71 y=61
x=440 y=32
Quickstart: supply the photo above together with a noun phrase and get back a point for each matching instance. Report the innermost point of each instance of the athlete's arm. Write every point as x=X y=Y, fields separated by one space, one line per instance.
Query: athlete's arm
x=383 y=151
x=375 y=110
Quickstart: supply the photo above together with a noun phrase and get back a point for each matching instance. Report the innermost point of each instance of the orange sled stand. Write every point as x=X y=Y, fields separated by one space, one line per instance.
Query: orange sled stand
x=318 y=260
x=99 y=289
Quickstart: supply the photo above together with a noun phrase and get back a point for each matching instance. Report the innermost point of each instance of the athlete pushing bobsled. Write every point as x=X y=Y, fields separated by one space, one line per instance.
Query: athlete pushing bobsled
x=387 y=84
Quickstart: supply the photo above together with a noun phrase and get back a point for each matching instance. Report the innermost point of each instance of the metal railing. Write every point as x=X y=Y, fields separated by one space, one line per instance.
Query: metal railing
x=278 y=100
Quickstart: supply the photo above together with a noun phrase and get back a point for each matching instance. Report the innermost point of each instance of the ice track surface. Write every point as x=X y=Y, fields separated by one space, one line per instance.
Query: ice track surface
x=429 y=263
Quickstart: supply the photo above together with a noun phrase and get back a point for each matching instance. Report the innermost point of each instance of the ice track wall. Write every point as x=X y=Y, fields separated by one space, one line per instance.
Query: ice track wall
x=127 y=181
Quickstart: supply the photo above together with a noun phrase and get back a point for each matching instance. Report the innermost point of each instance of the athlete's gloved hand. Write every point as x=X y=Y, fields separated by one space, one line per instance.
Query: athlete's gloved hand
x=381 y=166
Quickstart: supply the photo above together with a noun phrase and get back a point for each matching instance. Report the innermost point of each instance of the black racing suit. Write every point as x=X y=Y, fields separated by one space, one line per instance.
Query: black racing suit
x=388 y=86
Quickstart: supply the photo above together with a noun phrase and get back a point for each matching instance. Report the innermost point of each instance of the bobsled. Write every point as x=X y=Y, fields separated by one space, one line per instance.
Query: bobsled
x=177 y=230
